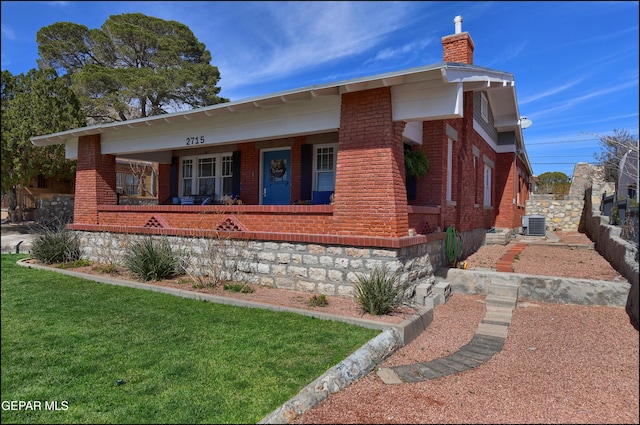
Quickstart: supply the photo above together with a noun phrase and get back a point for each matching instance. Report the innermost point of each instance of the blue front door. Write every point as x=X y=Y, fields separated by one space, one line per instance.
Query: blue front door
x=276 y=177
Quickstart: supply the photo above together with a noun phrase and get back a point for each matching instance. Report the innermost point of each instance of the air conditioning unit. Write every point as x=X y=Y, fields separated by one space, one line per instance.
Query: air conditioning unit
x=534 y=225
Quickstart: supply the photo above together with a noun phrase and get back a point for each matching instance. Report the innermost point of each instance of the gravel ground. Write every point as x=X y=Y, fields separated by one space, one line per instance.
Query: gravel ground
x=573 y=257
x=560 y=364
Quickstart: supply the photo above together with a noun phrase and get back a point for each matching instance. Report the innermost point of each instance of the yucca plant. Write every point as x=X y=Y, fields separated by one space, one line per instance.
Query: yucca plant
x=55 y=244
x=378 y=293
x=151 y=259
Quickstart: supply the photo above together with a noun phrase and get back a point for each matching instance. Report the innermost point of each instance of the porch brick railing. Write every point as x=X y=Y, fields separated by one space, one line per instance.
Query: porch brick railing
x=293 y=223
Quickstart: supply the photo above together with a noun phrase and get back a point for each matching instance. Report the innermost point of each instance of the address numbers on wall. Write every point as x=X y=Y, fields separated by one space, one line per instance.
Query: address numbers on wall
x=196 y=140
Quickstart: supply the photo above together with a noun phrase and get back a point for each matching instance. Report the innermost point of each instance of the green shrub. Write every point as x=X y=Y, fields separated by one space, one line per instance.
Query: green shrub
x=238 y=287
x=318 y=301
x=77 y=263
x=151 y=259
x=55 y=244
x=378 y=293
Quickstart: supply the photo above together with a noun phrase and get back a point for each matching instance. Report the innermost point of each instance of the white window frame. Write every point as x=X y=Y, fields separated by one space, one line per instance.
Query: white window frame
x=218 y=175
x=484 y=107
x=316 y=152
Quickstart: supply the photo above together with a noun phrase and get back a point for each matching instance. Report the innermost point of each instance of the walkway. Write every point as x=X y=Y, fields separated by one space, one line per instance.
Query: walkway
x=505 y=264
x=487 y=341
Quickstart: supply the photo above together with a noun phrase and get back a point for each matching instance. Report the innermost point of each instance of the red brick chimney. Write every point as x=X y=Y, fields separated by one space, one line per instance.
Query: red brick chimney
x=459 y=46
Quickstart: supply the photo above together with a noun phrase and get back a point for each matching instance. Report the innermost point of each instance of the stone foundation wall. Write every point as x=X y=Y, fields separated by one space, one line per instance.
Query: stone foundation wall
x=313 y=268
x=55 y=206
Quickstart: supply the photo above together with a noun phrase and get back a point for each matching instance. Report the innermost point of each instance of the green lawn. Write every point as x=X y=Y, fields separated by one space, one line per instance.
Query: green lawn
x=70 y=340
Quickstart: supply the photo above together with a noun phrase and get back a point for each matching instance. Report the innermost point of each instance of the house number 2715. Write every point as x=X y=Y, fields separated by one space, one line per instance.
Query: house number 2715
x=195 y=140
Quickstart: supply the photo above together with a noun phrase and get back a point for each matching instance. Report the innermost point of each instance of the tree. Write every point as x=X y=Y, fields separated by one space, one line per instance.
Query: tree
x=613 y=149
x=134 y=66
x=554 y=182
x=33 y=104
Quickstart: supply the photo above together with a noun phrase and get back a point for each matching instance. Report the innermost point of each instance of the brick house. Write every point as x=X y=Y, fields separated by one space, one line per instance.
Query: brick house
x=320 y=170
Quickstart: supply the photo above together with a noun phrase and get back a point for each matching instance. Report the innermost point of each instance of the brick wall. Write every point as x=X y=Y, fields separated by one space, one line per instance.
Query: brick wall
x=466 y=211
x=315 y=219
x=458 y=48
x=504 y=190
x=370 y=195
x=95 y=180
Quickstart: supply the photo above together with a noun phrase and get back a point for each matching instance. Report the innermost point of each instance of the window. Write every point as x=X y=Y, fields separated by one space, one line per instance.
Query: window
x=207 y=175
x=127 y=184
x=227 y=175
x=186 y=178
x=325 y=167
x=484 y=107
x=42 y=181
x=487 y=185
x=449 y=169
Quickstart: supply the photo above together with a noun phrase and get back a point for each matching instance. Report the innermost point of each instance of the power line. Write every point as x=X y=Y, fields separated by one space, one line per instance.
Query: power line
x=556 y=156
x=556 y=163
x=562 y=141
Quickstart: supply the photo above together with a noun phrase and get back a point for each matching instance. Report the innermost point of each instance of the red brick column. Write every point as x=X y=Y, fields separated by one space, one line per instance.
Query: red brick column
x=370 y=196
x=95 y=180
x=504 y=191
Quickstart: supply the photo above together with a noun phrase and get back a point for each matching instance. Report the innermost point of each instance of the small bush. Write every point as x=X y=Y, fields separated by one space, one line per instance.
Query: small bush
x=238 y=287
x=55 y=244
x=110 y=268
x=74 y=264
x=378 y=293
x=149 y=259
x=318 y=301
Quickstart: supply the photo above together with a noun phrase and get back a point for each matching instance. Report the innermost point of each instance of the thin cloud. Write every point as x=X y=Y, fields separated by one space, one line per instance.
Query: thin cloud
x=572 y=102
x=7 y=32
x=551 y=92
x=55 y=3
x=313 y=34
x=508 y=55
x=389 y=53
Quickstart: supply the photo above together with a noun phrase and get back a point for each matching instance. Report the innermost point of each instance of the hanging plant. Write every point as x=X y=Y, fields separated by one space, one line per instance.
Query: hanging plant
x=416 y=163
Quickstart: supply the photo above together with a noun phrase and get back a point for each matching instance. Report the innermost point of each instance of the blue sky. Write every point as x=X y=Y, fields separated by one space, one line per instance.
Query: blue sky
x=575 y=64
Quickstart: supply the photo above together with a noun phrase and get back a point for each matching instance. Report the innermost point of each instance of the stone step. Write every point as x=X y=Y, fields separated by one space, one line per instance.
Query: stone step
x=492 y=330
x=492 y=316
x=500 y=237
x=501 y=301
x=504 y=289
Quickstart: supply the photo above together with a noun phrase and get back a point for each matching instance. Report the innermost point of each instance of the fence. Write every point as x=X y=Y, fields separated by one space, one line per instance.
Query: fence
x=622 y=214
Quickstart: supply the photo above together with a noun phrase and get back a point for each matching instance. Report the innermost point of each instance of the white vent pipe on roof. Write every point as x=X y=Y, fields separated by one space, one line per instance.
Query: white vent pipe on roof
x=458 y=21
